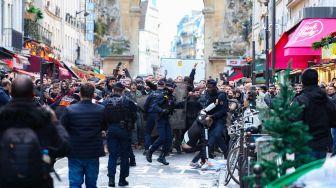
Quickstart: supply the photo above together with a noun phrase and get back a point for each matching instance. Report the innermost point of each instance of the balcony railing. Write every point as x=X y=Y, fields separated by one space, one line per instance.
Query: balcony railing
x=35 y=31
x=12 y=39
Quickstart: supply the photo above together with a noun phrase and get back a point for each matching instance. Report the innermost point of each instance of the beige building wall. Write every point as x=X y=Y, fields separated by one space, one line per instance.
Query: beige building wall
x=213 y=32
x=130 y=15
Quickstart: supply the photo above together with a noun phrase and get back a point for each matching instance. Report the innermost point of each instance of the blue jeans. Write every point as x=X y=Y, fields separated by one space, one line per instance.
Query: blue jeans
x=118 y=143
x=165 y=136
x=333 y=132
x=78 y=168
x=216 y=135
x=150 y=123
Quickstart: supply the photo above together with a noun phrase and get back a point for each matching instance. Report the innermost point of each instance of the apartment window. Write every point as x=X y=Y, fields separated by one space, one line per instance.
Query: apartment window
x=10 y=15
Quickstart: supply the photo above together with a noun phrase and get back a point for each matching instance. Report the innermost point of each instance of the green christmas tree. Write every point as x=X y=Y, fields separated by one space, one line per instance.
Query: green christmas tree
x=289 y=136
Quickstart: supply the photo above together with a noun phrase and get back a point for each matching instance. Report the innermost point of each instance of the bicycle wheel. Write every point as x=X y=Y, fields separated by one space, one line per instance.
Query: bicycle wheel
x=232 y=163
x=234 y=142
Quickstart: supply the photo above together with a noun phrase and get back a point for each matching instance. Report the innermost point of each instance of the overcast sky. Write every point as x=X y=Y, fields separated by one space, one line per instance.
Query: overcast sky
x=171 y=12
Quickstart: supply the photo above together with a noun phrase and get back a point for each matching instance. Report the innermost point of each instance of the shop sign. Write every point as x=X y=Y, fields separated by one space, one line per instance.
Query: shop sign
x=236 y=62
x=89 y=34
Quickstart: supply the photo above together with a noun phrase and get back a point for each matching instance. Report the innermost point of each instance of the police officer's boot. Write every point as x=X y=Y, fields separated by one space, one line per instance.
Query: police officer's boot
x=111 y=182
x=132 y=162
x=149 y=156
x=122 y=182
x=162 y=159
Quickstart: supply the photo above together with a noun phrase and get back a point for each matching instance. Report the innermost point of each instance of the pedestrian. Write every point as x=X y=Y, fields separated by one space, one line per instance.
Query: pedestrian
x=164 y=104
x=331 y=90
x=64 y=99
x=5 y=92
x=84 y=122
x=27 y=160
x=119 y=114
x=318 y=113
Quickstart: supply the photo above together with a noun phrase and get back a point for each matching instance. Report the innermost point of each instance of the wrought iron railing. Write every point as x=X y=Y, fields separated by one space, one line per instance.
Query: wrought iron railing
x=35 y=31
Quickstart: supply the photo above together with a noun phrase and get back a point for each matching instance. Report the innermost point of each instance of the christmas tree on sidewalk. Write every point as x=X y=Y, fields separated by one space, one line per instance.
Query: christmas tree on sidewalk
x=289 y=136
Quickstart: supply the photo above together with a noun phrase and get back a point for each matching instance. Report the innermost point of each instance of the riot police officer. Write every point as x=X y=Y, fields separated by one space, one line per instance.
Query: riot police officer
x=164 y=104
x=119 y=113
x=217 y=115
x=152 y=113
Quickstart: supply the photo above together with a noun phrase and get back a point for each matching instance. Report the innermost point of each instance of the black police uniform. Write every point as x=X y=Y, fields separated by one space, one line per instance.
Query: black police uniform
x=119 y=112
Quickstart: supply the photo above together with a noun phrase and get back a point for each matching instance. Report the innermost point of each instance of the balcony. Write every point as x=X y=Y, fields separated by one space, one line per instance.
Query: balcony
x=12 y=39
x=35 y=31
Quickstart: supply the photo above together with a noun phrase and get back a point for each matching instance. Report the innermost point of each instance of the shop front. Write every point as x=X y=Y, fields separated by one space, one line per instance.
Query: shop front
x=295 y=45
x=42 y=57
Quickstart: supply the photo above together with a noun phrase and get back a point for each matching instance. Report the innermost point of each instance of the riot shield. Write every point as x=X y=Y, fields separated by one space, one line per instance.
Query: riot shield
x=178 y=119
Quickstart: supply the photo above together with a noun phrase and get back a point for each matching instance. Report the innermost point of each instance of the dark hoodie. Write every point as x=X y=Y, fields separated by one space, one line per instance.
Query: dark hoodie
x=319 y=114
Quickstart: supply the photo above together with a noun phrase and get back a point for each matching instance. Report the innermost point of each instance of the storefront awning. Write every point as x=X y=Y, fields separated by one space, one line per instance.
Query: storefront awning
x=236 y=75
x=5 y=54
x=298 y=61
x=309 y=31
x=71 y=71
x=4 y=66
x=36 y=76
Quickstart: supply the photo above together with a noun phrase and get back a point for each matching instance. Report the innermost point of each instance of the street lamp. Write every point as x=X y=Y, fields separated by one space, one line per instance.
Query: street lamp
x=85 y=13
x=267 y=73
x=266 y=43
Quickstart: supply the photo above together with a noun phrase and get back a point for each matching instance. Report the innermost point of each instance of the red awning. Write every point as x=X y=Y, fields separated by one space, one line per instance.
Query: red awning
x=298 y=61
x=309 y=31
x=236 y=75
x=27 y=73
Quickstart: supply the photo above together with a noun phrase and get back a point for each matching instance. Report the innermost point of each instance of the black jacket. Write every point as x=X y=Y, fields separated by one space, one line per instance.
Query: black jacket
x=193 y=107
x=85 y=121
x=221 y=109
x=319 y=114
x=27 y=113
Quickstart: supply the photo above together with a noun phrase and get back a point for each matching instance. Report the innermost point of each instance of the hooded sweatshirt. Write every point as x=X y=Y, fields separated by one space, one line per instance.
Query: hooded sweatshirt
x=319 y=114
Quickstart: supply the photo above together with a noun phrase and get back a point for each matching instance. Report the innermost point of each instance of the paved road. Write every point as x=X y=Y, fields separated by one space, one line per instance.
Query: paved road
x=177 y=175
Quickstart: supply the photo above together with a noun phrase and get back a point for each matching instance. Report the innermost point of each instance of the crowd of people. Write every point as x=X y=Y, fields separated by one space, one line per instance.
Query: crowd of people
x=76 y=118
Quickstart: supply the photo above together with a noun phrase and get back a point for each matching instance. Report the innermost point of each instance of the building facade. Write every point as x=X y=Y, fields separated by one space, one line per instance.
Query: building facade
x=149 y=60
x=63 y=29
x=11 y=24
x=189 y=42
x=288 y=14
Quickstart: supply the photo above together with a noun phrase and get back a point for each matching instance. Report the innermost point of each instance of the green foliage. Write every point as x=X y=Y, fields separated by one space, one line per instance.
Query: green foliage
x=100 y=28
x=37 y=11
x=118 y=47
x=289 y=136
x=324 y=42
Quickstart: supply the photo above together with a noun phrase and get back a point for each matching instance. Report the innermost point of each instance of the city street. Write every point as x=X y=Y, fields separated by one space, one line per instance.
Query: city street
x=155 y=175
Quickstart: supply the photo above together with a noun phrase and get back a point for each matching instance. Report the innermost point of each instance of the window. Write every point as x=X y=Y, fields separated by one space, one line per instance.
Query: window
x=154 y=3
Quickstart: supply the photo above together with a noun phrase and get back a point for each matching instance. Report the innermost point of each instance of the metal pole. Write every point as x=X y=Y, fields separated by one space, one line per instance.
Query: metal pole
x=253 y=64
x=266 y=50
x=273 y=35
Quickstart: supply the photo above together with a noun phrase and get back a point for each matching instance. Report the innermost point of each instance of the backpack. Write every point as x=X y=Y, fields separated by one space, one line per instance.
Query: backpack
x=115 y=110
x=21 y=156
